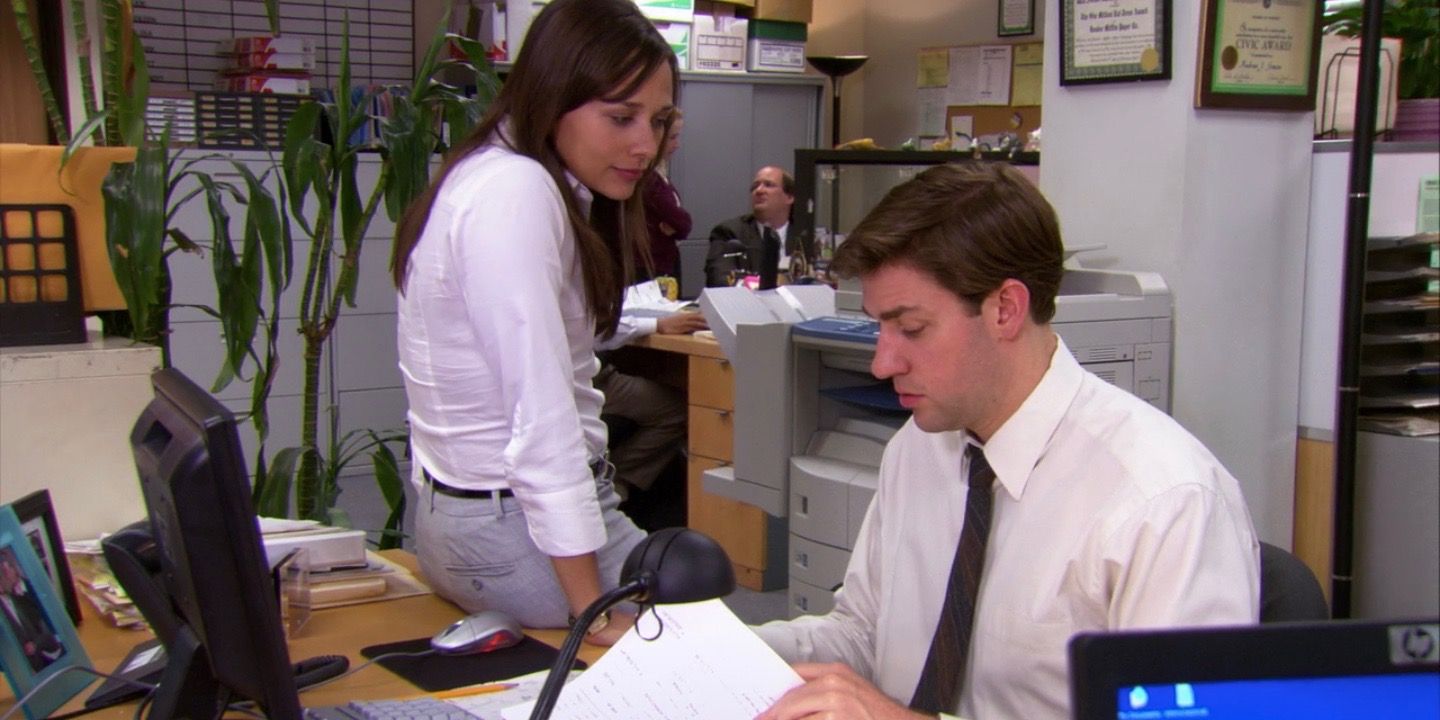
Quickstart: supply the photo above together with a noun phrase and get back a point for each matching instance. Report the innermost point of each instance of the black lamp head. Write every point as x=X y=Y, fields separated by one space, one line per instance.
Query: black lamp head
x=837 y=65
x=679 y=565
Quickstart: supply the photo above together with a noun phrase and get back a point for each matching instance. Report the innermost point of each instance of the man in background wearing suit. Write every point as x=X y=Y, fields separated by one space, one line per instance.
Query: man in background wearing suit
x=739 y=243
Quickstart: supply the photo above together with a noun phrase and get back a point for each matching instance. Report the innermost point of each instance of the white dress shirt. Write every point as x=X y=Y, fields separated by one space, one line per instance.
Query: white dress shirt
x=496 y=348
x=1107 y=515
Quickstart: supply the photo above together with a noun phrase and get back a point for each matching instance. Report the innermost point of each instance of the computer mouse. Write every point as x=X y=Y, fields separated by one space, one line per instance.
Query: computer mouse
x=481 y=632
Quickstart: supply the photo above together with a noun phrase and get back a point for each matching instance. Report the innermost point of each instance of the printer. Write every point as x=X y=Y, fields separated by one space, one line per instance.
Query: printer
x=812 y=423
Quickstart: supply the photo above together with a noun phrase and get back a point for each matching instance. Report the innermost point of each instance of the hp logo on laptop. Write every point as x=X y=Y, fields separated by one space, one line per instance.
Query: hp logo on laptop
x=1415 y=644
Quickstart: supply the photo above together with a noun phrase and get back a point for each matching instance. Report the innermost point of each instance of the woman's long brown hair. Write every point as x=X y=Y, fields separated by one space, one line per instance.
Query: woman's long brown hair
x=576 y=51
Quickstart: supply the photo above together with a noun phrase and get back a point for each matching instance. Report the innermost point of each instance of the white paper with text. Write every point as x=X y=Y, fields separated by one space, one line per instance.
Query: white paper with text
x=706 y=664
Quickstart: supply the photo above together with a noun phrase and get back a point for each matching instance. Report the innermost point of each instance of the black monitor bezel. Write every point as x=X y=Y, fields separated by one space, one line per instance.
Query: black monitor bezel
x=212 y=562
x=1103 y=663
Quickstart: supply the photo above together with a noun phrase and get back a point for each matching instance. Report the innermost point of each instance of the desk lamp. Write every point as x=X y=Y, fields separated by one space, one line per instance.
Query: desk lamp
x=674 y=565
x=836 y=66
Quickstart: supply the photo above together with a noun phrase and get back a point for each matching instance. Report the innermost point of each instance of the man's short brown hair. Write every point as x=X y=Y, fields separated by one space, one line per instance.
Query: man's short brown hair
x=968 y=225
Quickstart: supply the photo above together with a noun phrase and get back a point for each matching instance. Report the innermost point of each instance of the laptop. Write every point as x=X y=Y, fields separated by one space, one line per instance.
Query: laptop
x=1334 y=669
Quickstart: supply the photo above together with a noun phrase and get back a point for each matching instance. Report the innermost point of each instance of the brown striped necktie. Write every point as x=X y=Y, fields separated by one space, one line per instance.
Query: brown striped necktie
x=940 y=682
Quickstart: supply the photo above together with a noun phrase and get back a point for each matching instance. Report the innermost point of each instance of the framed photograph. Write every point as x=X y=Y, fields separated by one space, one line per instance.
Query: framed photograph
x=37 y=519
x=1258 y=54
x=1016 y=17
x=1106 y=41
x=37 y=639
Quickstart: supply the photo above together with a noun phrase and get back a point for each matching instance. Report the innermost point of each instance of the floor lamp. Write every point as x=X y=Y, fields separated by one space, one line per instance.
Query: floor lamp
x=837 y=67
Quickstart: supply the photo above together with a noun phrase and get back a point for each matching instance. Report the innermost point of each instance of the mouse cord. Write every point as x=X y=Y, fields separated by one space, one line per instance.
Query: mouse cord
x=368 y=663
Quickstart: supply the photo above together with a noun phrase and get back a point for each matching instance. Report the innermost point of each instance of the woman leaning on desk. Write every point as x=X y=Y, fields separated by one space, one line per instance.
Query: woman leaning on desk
x=507 y=268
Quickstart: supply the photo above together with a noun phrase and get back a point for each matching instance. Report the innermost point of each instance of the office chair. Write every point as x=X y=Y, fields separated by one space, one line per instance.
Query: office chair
x=1288 y=590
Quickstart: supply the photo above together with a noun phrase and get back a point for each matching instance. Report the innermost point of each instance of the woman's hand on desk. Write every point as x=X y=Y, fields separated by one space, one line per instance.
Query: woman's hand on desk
x=620 y=623
x=681 y=323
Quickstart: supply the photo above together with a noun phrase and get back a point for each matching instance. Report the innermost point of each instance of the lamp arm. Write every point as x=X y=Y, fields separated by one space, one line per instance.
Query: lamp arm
x=545 y=702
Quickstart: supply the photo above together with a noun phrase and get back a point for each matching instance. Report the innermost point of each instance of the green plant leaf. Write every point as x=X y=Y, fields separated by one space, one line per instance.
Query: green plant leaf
x=272 y=14
x=135 y=195
x=112 y=64
x=298 y=164
x=134 y=96
x=275 y=495
x=82 y=136
x=411 y=145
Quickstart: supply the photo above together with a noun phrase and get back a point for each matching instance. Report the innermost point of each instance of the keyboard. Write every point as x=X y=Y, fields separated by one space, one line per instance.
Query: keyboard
x=412 y=709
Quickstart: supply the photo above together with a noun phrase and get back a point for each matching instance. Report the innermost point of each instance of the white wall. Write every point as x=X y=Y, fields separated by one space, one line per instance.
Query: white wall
x=1217 y=203
x=894 y=32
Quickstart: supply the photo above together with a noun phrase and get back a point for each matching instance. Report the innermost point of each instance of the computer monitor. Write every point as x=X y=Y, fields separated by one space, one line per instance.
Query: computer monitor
x=196 y=567
x=1331 y=669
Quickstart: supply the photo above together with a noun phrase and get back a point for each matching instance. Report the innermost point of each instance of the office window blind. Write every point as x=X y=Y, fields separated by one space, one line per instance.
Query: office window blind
x=180 y=37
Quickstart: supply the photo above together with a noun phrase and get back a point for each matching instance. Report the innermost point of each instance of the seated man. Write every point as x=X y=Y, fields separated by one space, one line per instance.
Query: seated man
x=738 y=243
x=657 y=411
x=1024 y=501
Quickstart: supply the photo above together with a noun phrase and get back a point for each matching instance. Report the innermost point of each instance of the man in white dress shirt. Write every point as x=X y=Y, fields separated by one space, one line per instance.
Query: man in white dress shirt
x=1107 y=514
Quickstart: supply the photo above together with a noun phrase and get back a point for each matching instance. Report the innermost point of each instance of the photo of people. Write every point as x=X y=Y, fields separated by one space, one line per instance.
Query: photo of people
x=35 y=531
x=25 y=617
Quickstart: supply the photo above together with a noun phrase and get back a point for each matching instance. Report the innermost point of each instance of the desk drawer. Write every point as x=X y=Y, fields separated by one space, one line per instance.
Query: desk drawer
x=712 y=433
x=739 y=528
x=712 y=383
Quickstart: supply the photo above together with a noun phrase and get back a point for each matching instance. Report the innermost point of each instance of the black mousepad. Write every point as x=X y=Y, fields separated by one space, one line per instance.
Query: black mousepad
x=433 y=673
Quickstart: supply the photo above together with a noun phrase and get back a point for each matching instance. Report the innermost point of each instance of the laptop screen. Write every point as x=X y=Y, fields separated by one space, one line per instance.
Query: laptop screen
x=1412 y=695
x=1331 y=669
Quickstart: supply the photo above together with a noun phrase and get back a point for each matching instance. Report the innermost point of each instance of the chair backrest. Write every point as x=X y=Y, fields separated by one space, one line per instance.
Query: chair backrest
x=1288 y=590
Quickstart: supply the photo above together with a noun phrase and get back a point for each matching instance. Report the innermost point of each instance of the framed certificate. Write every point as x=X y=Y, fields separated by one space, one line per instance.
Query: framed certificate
x=1016 y=17
x=1259 y=54
x=1103 y=41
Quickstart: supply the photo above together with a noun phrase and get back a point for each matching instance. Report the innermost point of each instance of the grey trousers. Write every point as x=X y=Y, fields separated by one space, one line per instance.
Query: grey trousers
x=477 y=553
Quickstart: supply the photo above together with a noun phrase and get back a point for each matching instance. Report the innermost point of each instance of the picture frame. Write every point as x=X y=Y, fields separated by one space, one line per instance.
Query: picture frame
x=37 y=640
x=1258 y=55
x=37 y=519
x=1109 y=41
x=1015 y=17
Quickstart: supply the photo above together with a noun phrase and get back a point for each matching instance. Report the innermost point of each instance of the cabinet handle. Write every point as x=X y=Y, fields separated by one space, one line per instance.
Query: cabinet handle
x=723 y=413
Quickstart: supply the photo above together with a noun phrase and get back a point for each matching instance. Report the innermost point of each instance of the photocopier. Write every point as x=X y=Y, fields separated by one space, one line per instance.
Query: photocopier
x=812 y=422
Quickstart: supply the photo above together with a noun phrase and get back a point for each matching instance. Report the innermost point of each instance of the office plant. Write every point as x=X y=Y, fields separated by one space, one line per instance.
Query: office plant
x=142 y=198
x=1417 y=24
x=326 y=204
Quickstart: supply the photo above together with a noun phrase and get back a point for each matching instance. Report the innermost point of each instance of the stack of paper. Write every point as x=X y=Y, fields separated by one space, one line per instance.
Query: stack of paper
x=93 y=579
x=696 y=661
x=326 y=547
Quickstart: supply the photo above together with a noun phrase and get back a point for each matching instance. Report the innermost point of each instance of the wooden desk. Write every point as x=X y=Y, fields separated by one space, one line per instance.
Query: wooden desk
x=709 y=382
x=337 y=631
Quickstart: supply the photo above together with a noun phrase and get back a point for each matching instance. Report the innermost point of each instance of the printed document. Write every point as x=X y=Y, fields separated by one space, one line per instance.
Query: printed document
x=705 y=665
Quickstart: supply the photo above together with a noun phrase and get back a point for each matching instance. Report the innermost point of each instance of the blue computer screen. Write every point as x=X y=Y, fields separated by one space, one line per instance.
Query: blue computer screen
x=1377 y=696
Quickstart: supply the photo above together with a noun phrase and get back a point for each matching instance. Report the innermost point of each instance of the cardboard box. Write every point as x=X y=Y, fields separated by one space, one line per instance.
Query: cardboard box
x=668 y=10
x=718 y=39
x=265 y=43
x=783 y=10
x=678 y=35
x=776 y=46
x=262 y=82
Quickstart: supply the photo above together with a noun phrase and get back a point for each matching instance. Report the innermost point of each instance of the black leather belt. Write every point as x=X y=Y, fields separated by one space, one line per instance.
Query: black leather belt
x=444 y=489
x=596 y=468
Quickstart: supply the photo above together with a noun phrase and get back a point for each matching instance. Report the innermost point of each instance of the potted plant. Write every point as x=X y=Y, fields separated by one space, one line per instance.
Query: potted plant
x=141 y=198
x=1416 y=24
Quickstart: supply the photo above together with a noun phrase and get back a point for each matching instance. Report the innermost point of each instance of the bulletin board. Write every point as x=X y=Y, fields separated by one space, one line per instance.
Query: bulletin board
x=979 y=90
